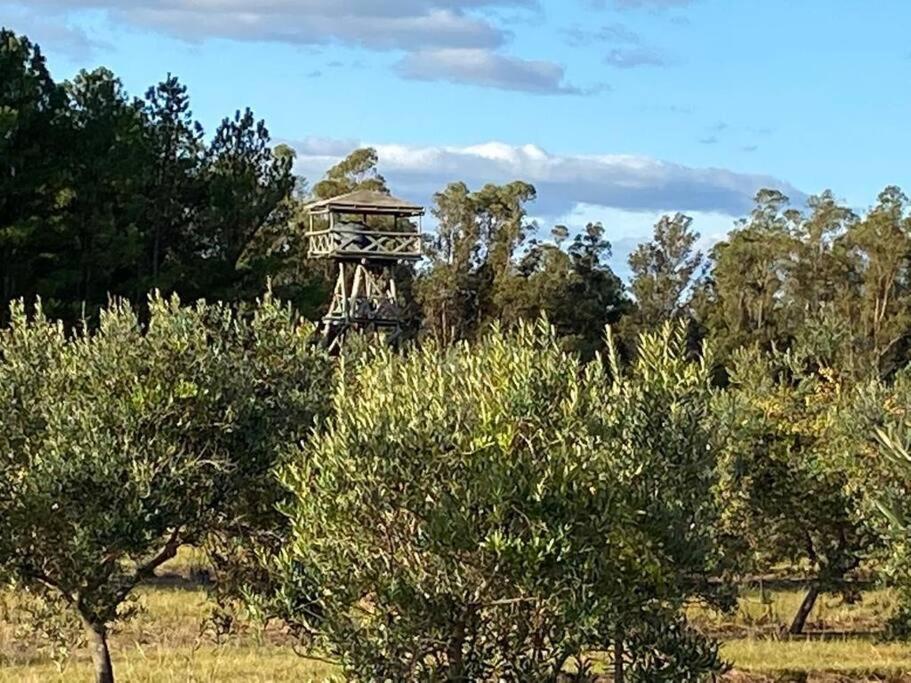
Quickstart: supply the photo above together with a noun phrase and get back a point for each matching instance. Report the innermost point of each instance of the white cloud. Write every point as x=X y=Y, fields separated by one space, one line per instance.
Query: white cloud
x=626 y=182
x=328 y=148
x=487 y=69
x=450 y=40
x=431 y=27
x=628 y=194
x=390 y=24
x=65 y=37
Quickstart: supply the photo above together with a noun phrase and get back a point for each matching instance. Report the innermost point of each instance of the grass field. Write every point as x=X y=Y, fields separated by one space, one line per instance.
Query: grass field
x=166 y=642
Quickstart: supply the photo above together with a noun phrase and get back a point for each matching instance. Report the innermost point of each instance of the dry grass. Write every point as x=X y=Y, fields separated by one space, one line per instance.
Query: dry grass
x=165 y=642
x=160 y=664
x=858 y=656
x=768 y=613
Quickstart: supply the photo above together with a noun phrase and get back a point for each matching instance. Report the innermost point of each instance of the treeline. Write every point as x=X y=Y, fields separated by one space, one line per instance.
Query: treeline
x=103 y=194
x=106 y=195
x=497 y=500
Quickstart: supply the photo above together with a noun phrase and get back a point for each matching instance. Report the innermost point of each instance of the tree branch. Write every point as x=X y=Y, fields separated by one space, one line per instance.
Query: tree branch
x=147 y=570
x=47 y=582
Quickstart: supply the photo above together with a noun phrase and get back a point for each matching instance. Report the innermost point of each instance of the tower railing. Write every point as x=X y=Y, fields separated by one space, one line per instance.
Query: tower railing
x=372 y=244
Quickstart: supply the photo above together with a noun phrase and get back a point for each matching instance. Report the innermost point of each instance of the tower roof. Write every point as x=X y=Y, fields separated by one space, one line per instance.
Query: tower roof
x=369 y=202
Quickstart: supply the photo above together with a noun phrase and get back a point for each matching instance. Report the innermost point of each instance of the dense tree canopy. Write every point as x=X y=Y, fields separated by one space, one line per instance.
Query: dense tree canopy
x=107 y=195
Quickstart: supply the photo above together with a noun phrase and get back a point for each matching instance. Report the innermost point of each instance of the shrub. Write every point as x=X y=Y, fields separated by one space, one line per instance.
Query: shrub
x=497 y=511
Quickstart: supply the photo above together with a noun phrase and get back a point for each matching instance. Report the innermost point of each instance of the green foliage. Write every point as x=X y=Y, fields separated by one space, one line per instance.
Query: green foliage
x=572 y=286
x=31 y=106
x=479 y=274
x=784 y=489
x=665 y=271
x=535 y=509
x=877 y=415
x=102 y=194
x=493 y=510
x=118 y=446
x=670 y=651
x=357 y=171
x=781 y=272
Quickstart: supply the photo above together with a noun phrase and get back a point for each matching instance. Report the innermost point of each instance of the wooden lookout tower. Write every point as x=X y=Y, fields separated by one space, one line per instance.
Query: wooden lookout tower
x=366 y=234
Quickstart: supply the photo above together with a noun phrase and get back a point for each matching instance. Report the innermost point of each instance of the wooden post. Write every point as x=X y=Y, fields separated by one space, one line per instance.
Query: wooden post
x=356 y=289
x=800 y=619
x=341 y=287
x=393 y=294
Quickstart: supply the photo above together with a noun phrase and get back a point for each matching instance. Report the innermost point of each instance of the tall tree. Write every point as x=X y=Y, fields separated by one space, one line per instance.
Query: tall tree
x=32 y=108
x=470 y=275
x=817 y=271
x=447 y=290
x=103 y=205
x=357 y=171
x=665 y=271
x=174 y=193
x=571 y=283
x=246 y=184
x=742 y=301
x=279 y=249
x=879 y=250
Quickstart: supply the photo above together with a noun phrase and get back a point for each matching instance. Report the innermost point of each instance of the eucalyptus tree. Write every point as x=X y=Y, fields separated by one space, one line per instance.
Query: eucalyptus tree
x=665 y=271
x=878 y=249
x=742 y=302
x=118 y=446
x=472 y=257
x=487 y=265
x=570 y=282
x=357 y=171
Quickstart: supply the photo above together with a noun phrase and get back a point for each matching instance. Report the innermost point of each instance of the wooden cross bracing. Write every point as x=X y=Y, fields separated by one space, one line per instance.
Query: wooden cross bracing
x=363 y=295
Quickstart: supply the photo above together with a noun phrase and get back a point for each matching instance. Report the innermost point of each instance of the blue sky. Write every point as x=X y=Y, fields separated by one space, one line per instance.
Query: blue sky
x=618 y=110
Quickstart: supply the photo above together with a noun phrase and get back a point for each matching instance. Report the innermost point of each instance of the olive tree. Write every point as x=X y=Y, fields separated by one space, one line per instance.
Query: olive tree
x=118 y=446
x=499 y=511
x=875 y=436
x=784 y=488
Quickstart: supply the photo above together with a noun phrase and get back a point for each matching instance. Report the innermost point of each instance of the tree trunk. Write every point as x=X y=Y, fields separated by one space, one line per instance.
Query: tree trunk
x=619 y=675
x=156 y=248
x=454 y=654
x=800 y=619
x=101 y=656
